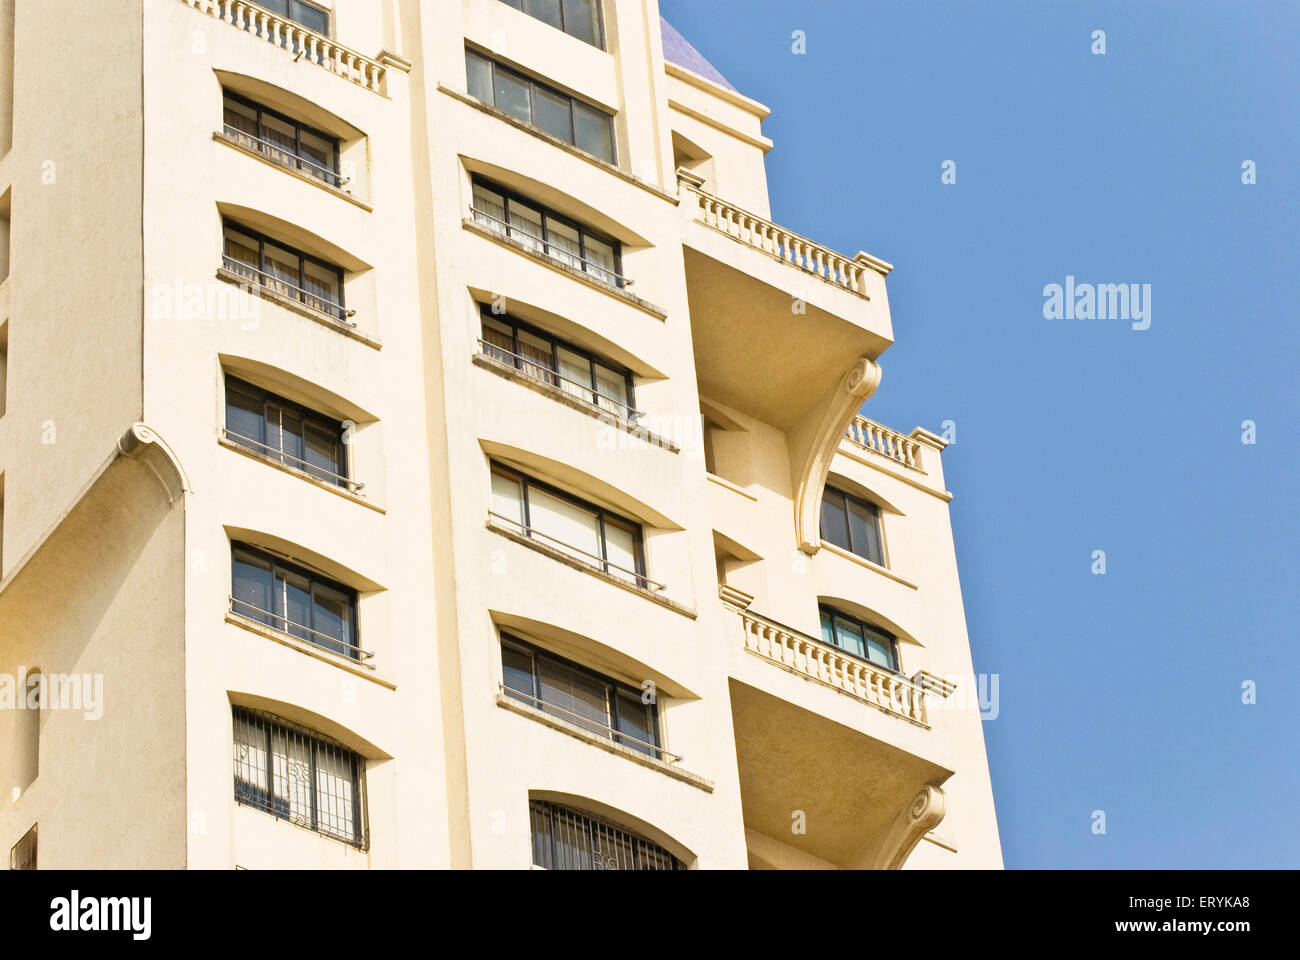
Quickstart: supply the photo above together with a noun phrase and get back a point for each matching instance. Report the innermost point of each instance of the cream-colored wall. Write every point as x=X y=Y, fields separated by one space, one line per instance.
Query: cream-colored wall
x=450 y=771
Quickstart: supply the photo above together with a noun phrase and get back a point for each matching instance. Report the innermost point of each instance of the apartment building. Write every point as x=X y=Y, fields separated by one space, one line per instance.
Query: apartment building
x=420 y=448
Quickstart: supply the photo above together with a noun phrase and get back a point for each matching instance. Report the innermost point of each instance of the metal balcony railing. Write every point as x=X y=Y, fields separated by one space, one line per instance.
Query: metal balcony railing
x=601 y=729
x=271 y=453
x=286 y=158
x=555 y=252
x=242 y=608
x=533 y=370
x=274 y=284
x=600 y=564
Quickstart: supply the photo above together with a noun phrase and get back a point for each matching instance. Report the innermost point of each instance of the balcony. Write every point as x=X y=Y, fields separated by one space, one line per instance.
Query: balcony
x=754 y=289
x=869 y=435
x=298 y=41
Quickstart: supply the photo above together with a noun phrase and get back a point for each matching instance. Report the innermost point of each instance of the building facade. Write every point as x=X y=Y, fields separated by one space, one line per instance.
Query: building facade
x=419 y=447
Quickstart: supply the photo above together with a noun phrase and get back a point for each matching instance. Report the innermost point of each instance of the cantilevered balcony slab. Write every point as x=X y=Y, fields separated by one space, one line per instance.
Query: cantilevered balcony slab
x=772 y=312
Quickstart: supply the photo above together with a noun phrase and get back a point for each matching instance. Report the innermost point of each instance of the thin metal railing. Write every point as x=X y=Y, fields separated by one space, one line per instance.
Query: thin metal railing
x=313 y=301
x=616 y=735
x=328 y=174
x=600 y=563
x=550 y=248
x=332 y=642
x=549 y=376
x=275 y=454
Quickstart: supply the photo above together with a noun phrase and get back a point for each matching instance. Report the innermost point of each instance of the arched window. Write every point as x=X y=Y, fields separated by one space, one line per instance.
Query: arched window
x=569 y=839
x=860 y=639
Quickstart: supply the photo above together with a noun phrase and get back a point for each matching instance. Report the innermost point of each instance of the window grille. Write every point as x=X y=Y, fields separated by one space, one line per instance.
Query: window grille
x=568 y=839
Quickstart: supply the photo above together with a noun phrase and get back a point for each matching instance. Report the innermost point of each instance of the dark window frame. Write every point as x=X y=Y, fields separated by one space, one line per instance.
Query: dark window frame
x=266 y=279
x=307 y=417
x=532 y=82
x=335 y=177
x=873 y=508
x=547 y=214
x=270 y=618
x=291 y=5
x=603 y=516
x=23 y=854
x=613 y=688
x=878 y=632
x=523 y=5
x=549 y=849
x=248 y=793
x=557 y=343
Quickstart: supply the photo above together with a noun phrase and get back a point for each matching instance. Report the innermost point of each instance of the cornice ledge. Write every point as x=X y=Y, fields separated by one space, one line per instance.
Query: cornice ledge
x=141 y=442
x=855 y=387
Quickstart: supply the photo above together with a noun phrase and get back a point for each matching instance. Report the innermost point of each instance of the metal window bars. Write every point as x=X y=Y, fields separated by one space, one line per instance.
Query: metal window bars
x=569 y=839
x=242 y=608
x=604 y=729
x=600 y=564
x=280 y=154
x=273 y=453
x=297 y=775
x=276 y=284
x=554 y=250
x=541 y=373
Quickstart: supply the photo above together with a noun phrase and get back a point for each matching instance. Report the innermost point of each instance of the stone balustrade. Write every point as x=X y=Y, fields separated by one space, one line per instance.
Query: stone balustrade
x=821 y=662
x=753 y=230
x=888 y=443
x=311 y=46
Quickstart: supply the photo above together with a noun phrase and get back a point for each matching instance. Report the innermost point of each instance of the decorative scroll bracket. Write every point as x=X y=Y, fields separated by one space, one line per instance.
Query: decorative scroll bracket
x=143 y=444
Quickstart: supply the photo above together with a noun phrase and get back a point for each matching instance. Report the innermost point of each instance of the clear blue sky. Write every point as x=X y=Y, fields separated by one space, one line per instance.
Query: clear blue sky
x=1119 y=692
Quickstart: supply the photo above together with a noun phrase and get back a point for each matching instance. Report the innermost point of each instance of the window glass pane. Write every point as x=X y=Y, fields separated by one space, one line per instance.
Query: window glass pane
x=526 y=225
x=313 y=18
x=620 y=550
x=593 y=132
x=252 y=766
x=284 y=138
x=291 y=775
x=282 y=265
x=336 y=776
x=611 y=387
x=864 y=532
x=880 y=649
x=251 y=581
x=575 y=367
x=499 y=335
x=828 y=628
x=293 y=603
x=493 y=205
x=551 y=113
x=568 y=524
x=240 y=118
x=332 y=616
x=324 y=292
x=517 y=670
x=835 y=520
x=507 y=498
x=245 y=413
x=848 y=637
x=579 y=698
x=564 y=242
x=537 y=350
x=545 y=10
x=478 y=77
x=580 y=20
x=636 y=719
x=512 y=94
x=242 y=253
x=284 y=430
x=321 y=154
x=600 y=259
x=323 y=450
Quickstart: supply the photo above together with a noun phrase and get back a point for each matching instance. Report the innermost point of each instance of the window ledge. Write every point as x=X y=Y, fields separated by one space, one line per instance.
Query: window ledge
x=590 y=409
x=264 y=293
x=302 y=646
x=564 y=145
x=573 y=730
x=301 y=474
x=607 y=288
x=564 y=558
x=230 y=141
x=728 y=485
x=860 y=561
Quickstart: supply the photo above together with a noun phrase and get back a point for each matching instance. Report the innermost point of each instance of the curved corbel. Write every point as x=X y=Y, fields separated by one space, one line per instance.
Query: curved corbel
x=922 y=815
x=838 y=411
x=143 y=443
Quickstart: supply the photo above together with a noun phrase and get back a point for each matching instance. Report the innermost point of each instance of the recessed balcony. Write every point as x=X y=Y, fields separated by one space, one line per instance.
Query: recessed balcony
x=774 y=315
